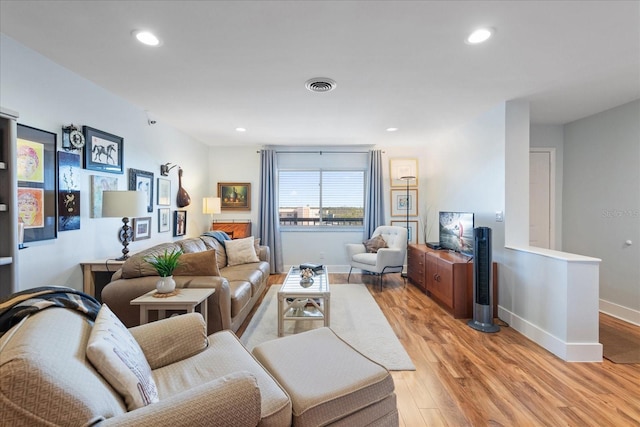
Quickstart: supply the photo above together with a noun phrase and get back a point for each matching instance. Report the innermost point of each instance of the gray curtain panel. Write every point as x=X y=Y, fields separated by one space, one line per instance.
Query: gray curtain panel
x=269 y=224
x=374 y=194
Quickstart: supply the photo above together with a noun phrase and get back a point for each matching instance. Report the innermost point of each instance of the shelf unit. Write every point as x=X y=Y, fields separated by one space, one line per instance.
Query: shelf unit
x=8 y=202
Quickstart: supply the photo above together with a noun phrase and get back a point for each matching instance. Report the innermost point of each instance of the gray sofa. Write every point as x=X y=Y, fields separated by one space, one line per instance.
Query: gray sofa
x=237 y=288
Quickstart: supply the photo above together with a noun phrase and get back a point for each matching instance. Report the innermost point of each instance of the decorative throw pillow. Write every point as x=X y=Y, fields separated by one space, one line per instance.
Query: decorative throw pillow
x=372 y=245
x=241 y=251
x=197 y=264
x=114 y=353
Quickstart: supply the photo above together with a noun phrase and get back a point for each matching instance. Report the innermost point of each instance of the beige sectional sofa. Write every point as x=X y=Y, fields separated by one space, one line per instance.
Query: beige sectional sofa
x=46 y=378
x=237 y=288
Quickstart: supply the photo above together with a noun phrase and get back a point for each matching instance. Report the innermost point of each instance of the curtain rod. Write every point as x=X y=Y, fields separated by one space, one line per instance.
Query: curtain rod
x=320 y=152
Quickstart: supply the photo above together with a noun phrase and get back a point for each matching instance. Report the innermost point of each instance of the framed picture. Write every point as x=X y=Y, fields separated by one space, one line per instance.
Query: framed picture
x=68 y=191
x=164 y=220
x=37 y=183
x=235 y=196
x=179 y=223
x=98 y=185
x=142 y=181
x=102 y=151
x=164 y=192
x=413 y=229
x=400 y=204
x=403 y=167
x=141 y=228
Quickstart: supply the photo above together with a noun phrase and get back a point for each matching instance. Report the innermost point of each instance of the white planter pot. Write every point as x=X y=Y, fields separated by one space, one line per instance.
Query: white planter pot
x=164 y=285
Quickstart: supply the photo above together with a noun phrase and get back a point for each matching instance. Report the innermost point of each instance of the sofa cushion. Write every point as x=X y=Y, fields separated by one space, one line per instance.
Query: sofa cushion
x=197 y=264
x=193 y=244
x=241 y=251
x=137 y=266
x=118 y=357
x=46 y=375
x=221 y=253
x=226 y=354
x=372 y=245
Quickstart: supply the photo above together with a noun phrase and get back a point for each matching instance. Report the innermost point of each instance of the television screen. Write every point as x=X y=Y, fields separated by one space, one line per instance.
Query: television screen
x=456 y=231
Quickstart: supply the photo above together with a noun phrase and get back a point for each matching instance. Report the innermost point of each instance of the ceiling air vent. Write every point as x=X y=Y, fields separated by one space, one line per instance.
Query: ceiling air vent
x=320 y=84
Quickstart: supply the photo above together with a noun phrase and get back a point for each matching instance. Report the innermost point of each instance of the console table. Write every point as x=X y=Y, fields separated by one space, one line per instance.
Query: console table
x=96 y=274
x=446 y=277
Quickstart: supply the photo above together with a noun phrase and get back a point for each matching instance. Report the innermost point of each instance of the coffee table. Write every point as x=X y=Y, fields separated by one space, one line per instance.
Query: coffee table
x=187 y=299
x=298 y=303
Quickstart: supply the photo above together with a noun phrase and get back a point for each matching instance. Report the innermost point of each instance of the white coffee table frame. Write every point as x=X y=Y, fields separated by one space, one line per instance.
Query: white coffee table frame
x=187 y=299
x=318 y=294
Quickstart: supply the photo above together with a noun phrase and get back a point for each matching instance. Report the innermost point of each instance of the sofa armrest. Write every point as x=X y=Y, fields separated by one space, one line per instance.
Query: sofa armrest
x=390 y=257
x=170 y=340
x=229 y=401
x=264 y=253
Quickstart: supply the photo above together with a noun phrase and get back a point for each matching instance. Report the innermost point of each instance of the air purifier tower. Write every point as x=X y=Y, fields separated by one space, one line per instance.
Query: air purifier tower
x=482 y=282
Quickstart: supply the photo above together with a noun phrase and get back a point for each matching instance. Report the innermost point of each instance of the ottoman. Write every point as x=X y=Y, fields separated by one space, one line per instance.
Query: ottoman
x=328 y=381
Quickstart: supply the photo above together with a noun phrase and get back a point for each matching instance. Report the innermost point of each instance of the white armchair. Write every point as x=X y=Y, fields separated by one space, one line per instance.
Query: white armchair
x=386 y=260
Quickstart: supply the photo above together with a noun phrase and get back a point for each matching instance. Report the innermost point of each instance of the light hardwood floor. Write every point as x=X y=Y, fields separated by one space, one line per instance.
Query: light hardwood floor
x=468 y=378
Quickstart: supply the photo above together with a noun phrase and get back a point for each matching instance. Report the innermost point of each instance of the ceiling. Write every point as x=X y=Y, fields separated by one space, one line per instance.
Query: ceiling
x=404 y=64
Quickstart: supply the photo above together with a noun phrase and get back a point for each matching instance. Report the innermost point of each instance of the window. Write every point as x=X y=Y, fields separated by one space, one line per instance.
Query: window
x=321 y=197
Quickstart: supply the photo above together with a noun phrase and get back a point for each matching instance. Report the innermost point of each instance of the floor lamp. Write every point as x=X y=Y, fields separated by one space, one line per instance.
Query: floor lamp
x=407 y=178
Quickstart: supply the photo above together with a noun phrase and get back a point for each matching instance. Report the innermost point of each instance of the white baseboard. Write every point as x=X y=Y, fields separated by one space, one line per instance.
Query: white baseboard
x=621 y=312
x=570 y=352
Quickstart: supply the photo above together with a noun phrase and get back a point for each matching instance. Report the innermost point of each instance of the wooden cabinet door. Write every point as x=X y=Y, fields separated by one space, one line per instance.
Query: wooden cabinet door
x=440 y=279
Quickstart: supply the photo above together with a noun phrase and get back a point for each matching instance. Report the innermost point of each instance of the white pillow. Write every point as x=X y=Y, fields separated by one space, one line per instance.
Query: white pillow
x=240 y=251
x=114 y=352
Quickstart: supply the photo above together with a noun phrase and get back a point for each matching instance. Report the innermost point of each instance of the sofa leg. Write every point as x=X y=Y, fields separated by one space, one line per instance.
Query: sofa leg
x=350 y=268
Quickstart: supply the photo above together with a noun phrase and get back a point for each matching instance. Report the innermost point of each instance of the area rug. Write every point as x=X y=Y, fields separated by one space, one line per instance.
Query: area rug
x=355 y=317
x=618 y=346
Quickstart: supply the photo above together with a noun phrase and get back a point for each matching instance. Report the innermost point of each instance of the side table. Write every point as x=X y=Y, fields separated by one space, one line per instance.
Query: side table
x=187 y=299
x=94 y=272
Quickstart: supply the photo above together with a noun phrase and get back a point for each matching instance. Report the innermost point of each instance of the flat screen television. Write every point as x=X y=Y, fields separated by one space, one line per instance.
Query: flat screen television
x=456 y=231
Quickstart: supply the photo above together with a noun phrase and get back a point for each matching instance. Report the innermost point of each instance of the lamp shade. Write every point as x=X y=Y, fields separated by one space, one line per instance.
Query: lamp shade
x=123 y=204
x=211 y=205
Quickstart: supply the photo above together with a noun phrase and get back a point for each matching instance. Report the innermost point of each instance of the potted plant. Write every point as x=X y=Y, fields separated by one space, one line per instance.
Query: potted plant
x=165 y=264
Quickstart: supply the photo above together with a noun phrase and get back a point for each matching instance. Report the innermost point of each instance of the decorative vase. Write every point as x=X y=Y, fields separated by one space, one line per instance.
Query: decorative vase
x=164 y=285
x=305 y=282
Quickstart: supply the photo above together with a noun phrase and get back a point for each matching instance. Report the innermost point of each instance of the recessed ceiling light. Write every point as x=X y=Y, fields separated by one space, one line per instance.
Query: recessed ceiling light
x=480 y=35
x=241 y=130
x=392 y=129
x=146 y=37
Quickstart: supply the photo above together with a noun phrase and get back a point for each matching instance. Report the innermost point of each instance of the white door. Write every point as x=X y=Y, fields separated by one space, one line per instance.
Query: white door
x=541 y=197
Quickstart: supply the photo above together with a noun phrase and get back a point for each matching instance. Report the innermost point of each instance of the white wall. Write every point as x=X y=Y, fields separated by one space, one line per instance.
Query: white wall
x=602 y=202
x=48 y=96
x=552 y=136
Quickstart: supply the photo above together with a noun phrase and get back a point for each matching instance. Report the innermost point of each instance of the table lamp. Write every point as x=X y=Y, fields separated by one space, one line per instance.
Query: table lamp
x=125 y=205
x=211 y=205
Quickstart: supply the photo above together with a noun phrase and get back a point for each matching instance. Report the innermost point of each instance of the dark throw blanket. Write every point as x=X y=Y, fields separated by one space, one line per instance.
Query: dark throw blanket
x=220 y=236
x=17 y=306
